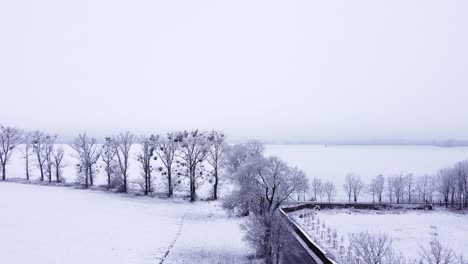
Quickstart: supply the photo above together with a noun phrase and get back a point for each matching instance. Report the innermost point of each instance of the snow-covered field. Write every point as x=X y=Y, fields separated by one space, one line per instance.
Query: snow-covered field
x=409 y=229
x=334 y=162
x=46 y=224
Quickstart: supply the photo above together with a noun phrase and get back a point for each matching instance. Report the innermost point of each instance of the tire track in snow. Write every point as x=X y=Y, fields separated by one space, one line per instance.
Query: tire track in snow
x=181 y=224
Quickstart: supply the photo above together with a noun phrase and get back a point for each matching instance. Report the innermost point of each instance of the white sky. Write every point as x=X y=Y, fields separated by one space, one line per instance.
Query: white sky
x=274 y=70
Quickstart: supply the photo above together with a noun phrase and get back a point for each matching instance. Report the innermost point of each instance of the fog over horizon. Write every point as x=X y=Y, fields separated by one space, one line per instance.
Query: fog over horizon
x=278 y=71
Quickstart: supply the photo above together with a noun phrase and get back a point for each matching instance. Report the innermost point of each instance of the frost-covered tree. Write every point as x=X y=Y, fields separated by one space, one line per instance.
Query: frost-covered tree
x=316 y=187
x=303 y=186
x=371 y=248
x=409 y=185
x=216 y=154
x=27 y=152
x=269 y=182
x=444 y=182
x=48 y=151
x=348 y=185
x=398 y=187
x=10 y=138
x=87 y=153
x=122 y=145
x=461 y=182
x=108 y=158
x=422 y=185
x=358 y=185
x=57 y=155
x=239 y=154
x=194 y=147
x=436 y=254
x=329 y=189
x=166 y=148
x=38 y=143
x=376 y=188
x=353 y=186
x=144 y=157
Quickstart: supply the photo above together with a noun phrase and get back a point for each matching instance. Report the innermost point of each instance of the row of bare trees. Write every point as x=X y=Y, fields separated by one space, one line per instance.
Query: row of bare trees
x=185 y=157
x=49 y=159
x=449 y=185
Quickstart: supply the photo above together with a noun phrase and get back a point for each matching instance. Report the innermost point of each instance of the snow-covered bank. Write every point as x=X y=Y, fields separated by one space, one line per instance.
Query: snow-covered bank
x=42 y=224
x=409 y=229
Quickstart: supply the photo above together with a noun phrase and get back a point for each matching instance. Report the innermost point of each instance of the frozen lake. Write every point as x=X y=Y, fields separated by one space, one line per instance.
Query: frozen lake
x=334 y=162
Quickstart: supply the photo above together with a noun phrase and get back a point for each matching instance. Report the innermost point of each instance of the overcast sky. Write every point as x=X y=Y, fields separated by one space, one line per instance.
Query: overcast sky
x=273 y=70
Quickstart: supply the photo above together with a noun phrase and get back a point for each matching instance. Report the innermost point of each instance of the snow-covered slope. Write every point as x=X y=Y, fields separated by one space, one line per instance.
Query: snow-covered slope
x=46 y=224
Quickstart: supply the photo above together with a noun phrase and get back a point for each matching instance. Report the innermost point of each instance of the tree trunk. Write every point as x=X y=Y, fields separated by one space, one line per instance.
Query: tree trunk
x=149 y=180
x=86 y=178
x=169 y=184
x=91 y=179
x=215 y=186
x=3 y=172
x=42 y=172
x=125 y=182
x=108 y=177
x=27 y=167
x=268 y=245
x=49 y=172
x=146 y=182
x=192 y=186
x=57 y=174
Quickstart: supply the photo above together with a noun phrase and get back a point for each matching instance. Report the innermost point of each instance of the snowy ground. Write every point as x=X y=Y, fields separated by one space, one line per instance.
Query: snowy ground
x=409 y=229
x=46 y=224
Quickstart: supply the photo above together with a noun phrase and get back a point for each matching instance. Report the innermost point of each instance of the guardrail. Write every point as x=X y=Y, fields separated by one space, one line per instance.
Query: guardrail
x=294 y=206
x=316 y=253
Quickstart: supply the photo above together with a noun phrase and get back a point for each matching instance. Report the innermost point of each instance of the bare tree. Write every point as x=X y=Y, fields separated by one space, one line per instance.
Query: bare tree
x=444 y=183
x=58 y=162
x=270 y=184
x=317 y=188
x=422 y=186
x=193 y=151
x=108 y=157
x=27 y=151
x=357 y=187
x=390 y=188
x=409 y=183
x=166 y=148
x=329 y=189
x=348 y=185
x=88 y=153
x=376 y=188
x=460 y=180
x=436 y=254
x=10 y=138
x=144 y=157
x=371 y=248
x=239 y=154
x=38 y=142
x=122 y=145
x=215 y=157
x=237 y=158
x=303 y=186
x=48 y=150
x=398 y=183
